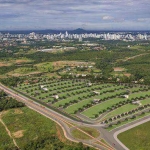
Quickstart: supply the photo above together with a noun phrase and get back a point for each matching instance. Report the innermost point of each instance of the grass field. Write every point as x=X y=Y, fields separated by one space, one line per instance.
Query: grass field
x=91 y=131
x=128 y=121
x=45 y=67
x=95 y=109
x=75 y=96
x=5 y=140
x=137 y=138
x=24 y=70
x=12 y=61
x=27 y=127
x=125 y=108
x=120 y=110
x=29 y=124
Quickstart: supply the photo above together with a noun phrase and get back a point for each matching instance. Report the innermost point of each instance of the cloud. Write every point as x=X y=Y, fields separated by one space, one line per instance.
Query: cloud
x=74 y=13
x=107 y=18
x=143 y=19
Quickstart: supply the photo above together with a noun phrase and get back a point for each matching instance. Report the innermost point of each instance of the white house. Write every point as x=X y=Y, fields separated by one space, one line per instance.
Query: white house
x=42 y=86
x=55 y=96
x=95 y=92
x=89 y=84
x=83 y=75
x=137 y=103
x=45 y=89
x=125 y=96
x=96 y=100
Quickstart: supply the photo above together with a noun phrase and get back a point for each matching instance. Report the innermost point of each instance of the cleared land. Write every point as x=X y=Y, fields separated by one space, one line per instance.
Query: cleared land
x=30 y=129
x=23 y=126
x=137 y=138
x=5 y=140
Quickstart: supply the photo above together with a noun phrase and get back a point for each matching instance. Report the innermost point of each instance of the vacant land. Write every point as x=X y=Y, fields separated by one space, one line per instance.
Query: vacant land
x=26 y=125
x=44 y=67
x=5 y=140
x=137 y=138
x=91 y=131
x=29 y=129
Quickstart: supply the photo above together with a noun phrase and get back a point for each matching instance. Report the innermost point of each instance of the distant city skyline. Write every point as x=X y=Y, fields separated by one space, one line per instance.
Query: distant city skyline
x=72 y=14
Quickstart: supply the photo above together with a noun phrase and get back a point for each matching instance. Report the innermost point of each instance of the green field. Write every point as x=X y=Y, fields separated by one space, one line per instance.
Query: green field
x=137 y=138
x=30 y=129
x=5 y=141
x=45 y=67
x=91 y=131
x=75 y=96
x=125 y=108
x=120 y=110
x=95 y=109
x=31 y=124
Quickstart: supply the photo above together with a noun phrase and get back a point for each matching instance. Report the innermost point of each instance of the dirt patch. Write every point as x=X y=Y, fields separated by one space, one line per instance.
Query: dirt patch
x=70 y=63
x=4 y=64
x=129 y=58
x=19 y=61
x=60 y=134
x=118 y=69
x=127 y=74
x=18 y=134
x=3 y=113
x=18 y=111
x=18 y=74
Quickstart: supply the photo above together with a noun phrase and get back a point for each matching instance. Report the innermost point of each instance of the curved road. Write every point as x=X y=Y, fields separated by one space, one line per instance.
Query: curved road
x=60 y=119
x=63 y=121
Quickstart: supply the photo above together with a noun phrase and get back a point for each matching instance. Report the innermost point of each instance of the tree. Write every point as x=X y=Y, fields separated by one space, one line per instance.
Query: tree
x=96 y=115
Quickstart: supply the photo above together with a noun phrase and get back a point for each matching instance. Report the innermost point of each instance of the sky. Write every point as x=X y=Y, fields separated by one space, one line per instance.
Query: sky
x=73 y=14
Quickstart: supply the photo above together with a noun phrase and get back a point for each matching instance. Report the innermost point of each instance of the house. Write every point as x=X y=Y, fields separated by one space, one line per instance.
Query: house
x=90 y=66
x=95 y=92
x=125 y=96
x=137 y=103
x=83 y=75
x=45 y=89
x=96 y=100
x=89 y=84
x=42 y=86
x=55 y=96
x=77 y=75
x=118 y=79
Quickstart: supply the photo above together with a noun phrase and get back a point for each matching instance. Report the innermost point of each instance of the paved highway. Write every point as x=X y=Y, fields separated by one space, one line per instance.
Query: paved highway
x=63 y=121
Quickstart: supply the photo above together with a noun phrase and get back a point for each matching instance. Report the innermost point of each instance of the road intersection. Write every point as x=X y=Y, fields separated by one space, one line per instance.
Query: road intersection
x=63 y=121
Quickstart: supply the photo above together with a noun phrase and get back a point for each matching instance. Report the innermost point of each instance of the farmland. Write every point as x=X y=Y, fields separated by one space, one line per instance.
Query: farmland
x=80 y=97
x=136 y=138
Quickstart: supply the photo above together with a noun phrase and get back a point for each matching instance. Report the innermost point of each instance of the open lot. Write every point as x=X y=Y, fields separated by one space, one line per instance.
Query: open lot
x=22 y=124
x=137 y=138
x=29 y=129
